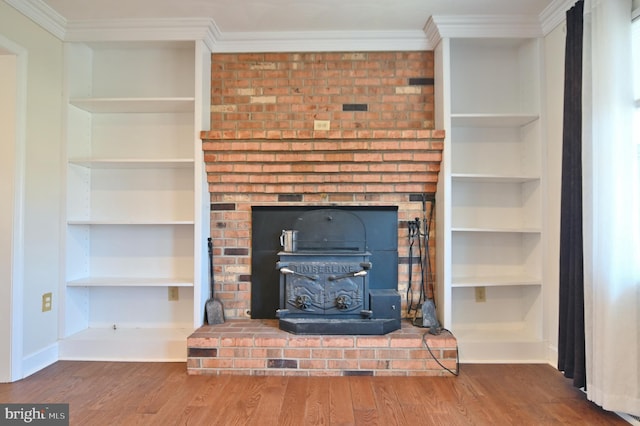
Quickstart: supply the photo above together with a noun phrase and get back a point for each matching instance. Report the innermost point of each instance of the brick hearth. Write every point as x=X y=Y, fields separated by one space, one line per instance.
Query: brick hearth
x=259 y=347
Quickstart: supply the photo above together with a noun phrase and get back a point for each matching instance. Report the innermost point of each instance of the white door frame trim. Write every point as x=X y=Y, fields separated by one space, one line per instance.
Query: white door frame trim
x=14 y=371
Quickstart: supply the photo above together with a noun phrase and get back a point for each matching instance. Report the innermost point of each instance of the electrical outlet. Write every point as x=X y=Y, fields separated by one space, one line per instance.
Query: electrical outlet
x=481 y=294
x=321 y=124
x=174 y=294
x=47 y=300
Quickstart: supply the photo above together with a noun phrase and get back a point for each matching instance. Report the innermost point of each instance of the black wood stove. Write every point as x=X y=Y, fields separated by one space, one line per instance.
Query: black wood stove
x=324 y=278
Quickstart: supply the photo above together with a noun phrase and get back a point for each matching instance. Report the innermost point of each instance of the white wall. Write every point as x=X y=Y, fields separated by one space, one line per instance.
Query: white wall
x=42 y=185
x=554 y=88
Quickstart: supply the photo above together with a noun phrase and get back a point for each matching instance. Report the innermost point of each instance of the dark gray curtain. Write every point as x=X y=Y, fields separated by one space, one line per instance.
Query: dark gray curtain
x=571 y=333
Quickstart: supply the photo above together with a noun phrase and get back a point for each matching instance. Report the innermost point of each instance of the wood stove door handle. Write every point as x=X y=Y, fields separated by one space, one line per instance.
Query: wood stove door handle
x=287 y=271
x=349 y=275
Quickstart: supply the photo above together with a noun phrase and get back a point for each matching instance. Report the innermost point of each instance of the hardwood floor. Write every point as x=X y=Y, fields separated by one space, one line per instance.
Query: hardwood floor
x=102 y=393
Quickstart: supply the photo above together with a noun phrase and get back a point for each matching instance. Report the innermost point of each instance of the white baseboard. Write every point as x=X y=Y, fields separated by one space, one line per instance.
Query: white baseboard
x=35 y=362
x=552 y=355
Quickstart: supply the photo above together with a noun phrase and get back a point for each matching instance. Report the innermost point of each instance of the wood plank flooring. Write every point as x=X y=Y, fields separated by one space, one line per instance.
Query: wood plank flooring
x=103 y=393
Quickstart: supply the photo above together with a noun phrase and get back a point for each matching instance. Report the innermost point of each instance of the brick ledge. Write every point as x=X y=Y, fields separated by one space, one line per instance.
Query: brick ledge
x=259 y=347
x=321 y=134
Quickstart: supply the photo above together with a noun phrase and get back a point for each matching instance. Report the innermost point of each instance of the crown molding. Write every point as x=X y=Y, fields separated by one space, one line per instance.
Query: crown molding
x=555 y=14
x=144 y=30
x=432 y=32
x=319 y=41
x=436 y=28
x=206 y=29
x=481 y=26
x=43 y=15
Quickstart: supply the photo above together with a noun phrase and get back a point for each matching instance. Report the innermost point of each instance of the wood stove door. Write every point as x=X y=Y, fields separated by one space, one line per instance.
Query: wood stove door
x=305 y=297
x=315 y=289
x=344 y=296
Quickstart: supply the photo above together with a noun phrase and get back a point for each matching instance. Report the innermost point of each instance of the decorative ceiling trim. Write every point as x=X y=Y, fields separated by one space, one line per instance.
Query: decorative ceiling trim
x=432 y=32
x=554 y=14
x=143 y=30
x=477 y=26
x=319 y=41
x=206 y=29
x=40 y=13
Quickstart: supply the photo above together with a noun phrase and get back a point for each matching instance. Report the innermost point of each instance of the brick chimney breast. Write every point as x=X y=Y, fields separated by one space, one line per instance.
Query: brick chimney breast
x=381 y=146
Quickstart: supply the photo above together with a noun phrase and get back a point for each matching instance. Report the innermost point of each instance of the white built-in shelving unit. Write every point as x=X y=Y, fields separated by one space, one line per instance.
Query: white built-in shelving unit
x=489 y=202
x=136 y=219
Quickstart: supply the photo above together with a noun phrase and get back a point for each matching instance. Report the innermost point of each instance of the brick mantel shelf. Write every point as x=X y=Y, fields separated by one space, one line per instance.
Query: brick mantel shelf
x=424 y=134
x=390 y=162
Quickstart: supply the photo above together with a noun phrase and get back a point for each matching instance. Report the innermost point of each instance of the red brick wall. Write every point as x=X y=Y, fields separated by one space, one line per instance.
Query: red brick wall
x=272 y=95
x=263 y=150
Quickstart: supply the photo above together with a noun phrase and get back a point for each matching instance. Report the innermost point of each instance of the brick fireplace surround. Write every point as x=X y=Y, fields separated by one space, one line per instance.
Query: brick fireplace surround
x=380 y=149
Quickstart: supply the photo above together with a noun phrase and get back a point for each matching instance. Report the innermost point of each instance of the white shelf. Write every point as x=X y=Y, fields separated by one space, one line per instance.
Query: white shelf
x=130 y=251
x=491 y=254
x=485 y=152
x=494 y=332
x=126 y=344
x=130 y=282
x=489 y=178
x=492 y=194
x=497 y=230
x=487 y=203
x=119 y=222
x=495 y=281
x=492 y=120
x=133 y=163
x=130 y=195
x=134 y=105
x=498 y=343
x=512 y=308
x=134 y=198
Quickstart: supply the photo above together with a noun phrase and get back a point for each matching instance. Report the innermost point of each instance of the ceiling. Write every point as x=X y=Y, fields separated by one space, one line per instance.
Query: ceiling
x=236 y=16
